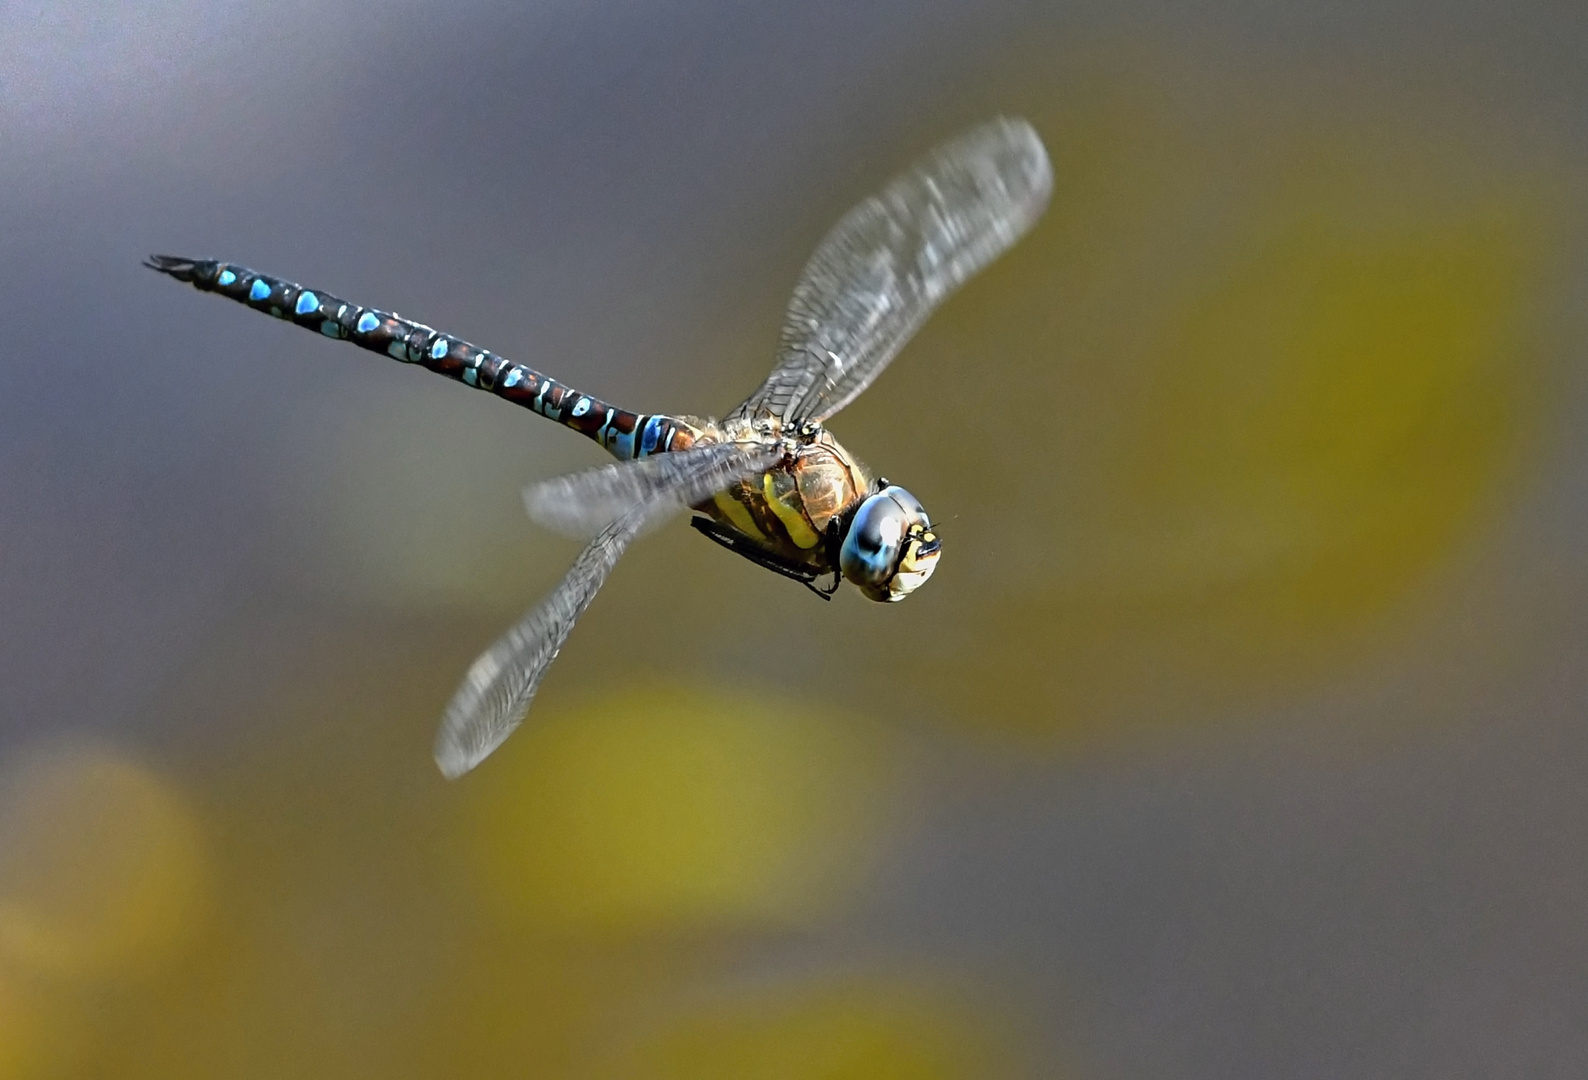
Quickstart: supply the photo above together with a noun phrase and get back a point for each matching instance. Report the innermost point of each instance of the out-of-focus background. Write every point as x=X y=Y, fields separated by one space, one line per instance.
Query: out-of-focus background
x=1242 y=732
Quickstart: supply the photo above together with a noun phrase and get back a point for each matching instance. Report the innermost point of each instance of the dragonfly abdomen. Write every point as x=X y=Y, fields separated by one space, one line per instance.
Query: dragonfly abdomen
x=626 y=434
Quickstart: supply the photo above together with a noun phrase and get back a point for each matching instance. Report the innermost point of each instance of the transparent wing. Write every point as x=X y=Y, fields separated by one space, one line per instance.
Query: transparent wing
x=875 y=278
x=583 y=504
x=498 y=689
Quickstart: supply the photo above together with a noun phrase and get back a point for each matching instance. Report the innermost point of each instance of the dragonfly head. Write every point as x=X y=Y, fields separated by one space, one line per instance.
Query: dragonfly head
x=889 y=548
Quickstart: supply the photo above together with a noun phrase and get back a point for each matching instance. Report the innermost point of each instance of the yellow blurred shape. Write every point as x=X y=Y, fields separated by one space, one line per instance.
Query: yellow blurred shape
x=669 y=809
x=878 y=1031
x=101 y=871
x=1270 y=371
x=21 y=1041
x=1336 y=402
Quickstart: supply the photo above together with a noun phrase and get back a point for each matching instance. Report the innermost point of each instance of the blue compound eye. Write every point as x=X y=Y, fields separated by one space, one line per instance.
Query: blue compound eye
x=889 y=549
x=872 y=545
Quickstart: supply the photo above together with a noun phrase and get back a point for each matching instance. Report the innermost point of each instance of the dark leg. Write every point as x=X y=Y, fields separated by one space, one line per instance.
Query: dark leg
x=740 y=544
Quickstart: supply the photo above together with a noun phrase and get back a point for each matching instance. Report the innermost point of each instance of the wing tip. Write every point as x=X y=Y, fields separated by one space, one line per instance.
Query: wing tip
x=455 y=760
x=551 y=505
x=467 y=735
x=1021 y=137
x=456 y=754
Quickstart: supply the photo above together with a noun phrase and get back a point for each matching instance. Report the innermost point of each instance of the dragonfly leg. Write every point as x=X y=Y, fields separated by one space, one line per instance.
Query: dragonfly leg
x=740 y=544
x=825 y=591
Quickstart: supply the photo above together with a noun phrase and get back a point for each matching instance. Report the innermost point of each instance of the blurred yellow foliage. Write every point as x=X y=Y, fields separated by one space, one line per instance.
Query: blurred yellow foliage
x=101 y=868
x=837 y=1031
x=20 y=1038
x=675 y=809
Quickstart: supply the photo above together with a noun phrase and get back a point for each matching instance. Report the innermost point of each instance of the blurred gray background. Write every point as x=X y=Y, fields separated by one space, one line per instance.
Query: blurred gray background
x=1241 y=733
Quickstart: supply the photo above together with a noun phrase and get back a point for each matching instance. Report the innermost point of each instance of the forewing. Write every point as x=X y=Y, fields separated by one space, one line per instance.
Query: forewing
x=584 y=503
x=875 y=278
x=498 y=689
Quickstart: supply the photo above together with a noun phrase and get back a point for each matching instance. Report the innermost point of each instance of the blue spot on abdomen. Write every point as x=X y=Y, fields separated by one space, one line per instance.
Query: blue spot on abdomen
x=307 y=303
x=226 y=278
x=260 y=290
x=367 y=322
x=652 y=432
x=623 y=444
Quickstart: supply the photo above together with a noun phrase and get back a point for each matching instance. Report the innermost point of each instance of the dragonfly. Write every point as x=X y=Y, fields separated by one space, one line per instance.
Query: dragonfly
x=767 y=481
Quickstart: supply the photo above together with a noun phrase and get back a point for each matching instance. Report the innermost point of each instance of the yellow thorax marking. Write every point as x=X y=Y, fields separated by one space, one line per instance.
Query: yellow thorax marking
x=793 y=520
x=738 y=515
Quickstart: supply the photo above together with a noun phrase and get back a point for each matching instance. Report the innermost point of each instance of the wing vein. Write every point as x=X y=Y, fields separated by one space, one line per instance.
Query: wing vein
x=501 y=684
x=879 y=272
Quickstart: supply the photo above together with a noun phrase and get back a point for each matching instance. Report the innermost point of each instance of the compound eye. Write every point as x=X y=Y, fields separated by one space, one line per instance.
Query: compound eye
x=870 y=550
x=914 y=512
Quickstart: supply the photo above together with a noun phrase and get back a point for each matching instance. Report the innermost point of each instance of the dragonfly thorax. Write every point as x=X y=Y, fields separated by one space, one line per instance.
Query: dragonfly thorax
x=791 y=505
x=818 y=512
